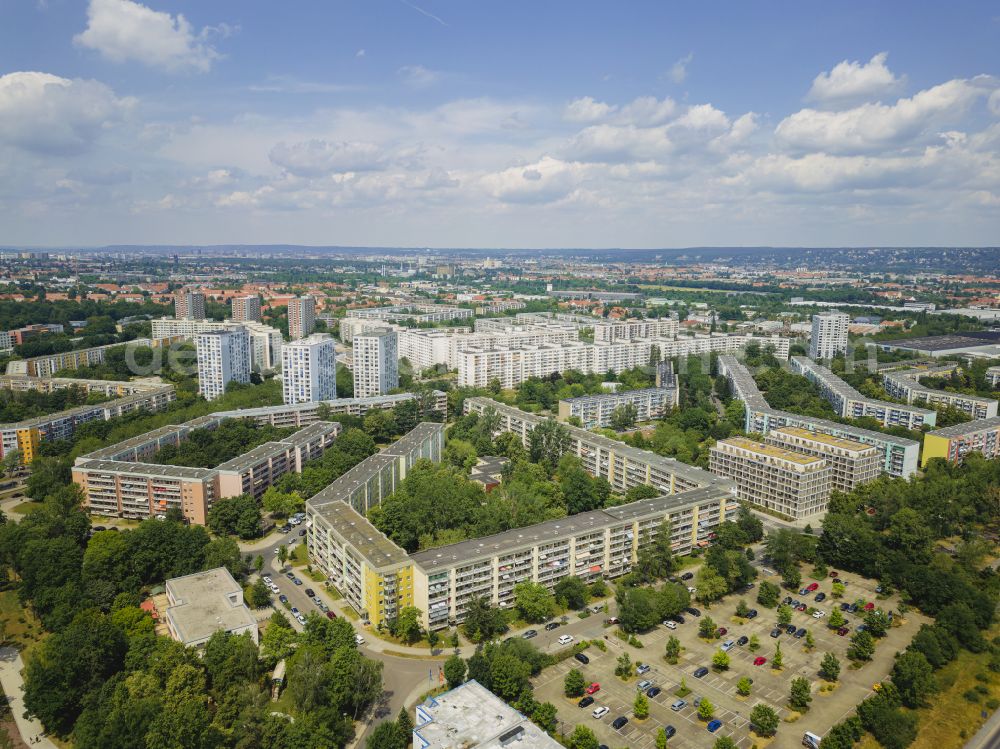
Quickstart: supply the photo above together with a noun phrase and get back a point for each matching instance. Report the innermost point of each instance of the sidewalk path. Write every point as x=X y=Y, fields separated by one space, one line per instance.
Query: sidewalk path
x=13 y=687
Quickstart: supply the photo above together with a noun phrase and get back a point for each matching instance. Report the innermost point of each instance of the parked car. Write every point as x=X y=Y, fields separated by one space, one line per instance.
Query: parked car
x=551 y=625
x=296 y=581
x=670 y=624
x=359 y=639
x=759 y=660
x=678 y=705
x=585 y=702
x=693 y=611
x=611 y=620
x=302 y=531
x=819 y=614
x=643 y=685
x=295 y=611
x=679 y=619
x=727 y=646
x=699 y=672
x=290 y=575
x=283 y=598
x=594 y=688
x=642 y=668
x=670 y=731
x=714 y=725
x=743 y=641
x=801 y=607
x=266 y=579
x=687 y=576
x=330 y=615
x=721 y=632
x=869 y=606
x=800 y=633
x=776 y=632
x=565 y=639
x=653 y=691
x=843 y=631
x=833 y=573
x=600 y=712
x=845 y=607
x=619 y=722
x=310 y=592
x=790 y=629
x=752 y=614
x=582 y=658
x=787 y=600
x=812 y=586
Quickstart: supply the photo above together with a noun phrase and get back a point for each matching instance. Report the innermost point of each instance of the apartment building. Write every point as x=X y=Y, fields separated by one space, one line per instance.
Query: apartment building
x=905 y=385
x=223 y=357
x=265 y=341
x=417 y=313
x=189 y=305
x=116 y=482
x=246 y=308
x=899 y=455
x=301 y=317
x=432 y=404
x=349 y=327
x=48 y=364
x=597 y=410
x=424 y=348
x=792 y=483
x=376 y=363
x=628 y=330
x=955 y=442
x=309 y=369
x=24 y=437
x=851 y=404
x=993 y=377
x=851 y=463
x=499 y=306
x=829 y=334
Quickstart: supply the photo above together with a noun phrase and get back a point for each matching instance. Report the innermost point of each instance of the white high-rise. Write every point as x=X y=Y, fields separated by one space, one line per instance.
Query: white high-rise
x=309 y=369
x=301 y=317
x=829 y=335
x=376 y=363
x=223 y=357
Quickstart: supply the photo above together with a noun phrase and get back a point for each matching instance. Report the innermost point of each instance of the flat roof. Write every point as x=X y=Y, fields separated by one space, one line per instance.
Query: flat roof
x=771 y=450
x=846 y=391
x=358 y=531
x=207 y=602
x=969 y=427
x=860 y=432
x=827 y=439
x=150 y=470
x=939 y=342
x=621 y=395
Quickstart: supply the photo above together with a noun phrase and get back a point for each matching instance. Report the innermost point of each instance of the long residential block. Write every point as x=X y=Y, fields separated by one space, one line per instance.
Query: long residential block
x=417 y=313
x=851 y=463
x=899 y=455
x=777 y=479
x=851 y=404
x=49 y=364
x=597 y=410
x=955 y=442
x=905 y=385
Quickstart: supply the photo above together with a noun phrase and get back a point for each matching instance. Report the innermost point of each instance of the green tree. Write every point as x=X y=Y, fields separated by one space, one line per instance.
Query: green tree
x=583 y=738
x=707 y=628
x=913 y=675
x=720 y=661
x=829 y=667
x=767 y=594
x=784 y=614
x=742 y=610
x=706 y=709
x=235 y=516
x=711 y=586
x=810 y=642
x=572 y=591
x=640 y=708
x=574 y=683
x=282 y=504
x=509 y=677
x=534 y=602
x=672 y=650
x=778 y=660
x=724 y=742
x=547 y=442
x=838 y=590
x=624 y=417
x=764 y=720
x=624 y=667
x=877 y=623
x=386 y=735
x=754 y=644
x=799 y=695
x=862 y=647
x=483 y=621
x=792 y=577
x=454 y=671
x=743 y=686
x=836 y=620
x=408 y=624
x=282 y=555
x=661 y=738
x=258 y=595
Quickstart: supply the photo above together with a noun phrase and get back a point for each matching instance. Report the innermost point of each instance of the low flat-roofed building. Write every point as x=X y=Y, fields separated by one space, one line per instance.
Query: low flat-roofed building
x=792 y=483
x=488 y=471
x=472 y=717
x=852 y=463
x=204 y=603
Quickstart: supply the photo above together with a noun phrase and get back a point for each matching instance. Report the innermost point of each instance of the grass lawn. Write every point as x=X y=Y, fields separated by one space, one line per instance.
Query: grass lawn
x=299 y=557
x=26 y=507
x=20 y=626
x=949 y=719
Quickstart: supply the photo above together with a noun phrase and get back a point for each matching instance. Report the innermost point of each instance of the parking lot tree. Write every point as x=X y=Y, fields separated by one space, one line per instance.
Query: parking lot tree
x=784 y=614
x=672 y=599
x=534 y=602
x=799 y=695
x=913 y=676
x=583 y=738
x=836 y=620
x=661 y=739
x=791 y=578
x=673 y=649
x=706 y=709
x=720 y=661
x=639 y=609
x=742 y=609
x=711 y=586
x=573 y=683
x=707 y=628
x=454 y=671
x=778 y=659
x=820 y=571
x=724 y=742
x=810 y=642
x=767 y=594
x=483 y=621
x=743 y=686
x=572 y=591
x=258 y=595
x=877 y=622
x=754 y=643
x=829 y=667
x=764 y=720
x=640 y=708
x=838 y=590
x=624 y=667
x=862 y=647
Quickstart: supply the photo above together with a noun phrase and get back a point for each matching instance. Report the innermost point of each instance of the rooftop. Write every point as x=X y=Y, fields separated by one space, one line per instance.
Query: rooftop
x=206 y=602
x=969 y=427
x=826 y=439
x=771 y=451
x=938 y=343
x=374 y=546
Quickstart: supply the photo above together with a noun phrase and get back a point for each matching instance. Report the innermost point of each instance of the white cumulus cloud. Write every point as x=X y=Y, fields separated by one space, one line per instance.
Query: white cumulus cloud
x=678 y=71
x=854 y=82
x=123 y=31
x=48 y=114
x=315 y=158
x=587 y=109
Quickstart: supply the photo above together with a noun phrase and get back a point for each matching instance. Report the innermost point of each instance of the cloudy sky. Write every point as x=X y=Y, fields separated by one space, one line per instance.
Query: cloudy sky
x=486 y=124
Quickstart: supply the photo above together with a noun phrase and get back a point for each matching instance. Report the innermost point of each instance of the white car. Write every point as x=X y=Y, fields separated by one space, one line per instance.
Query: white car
x=819 y=614
x=294 y=521
x=601 y=712
x=359 y=639
x=727 y=646
x=266 y=579
x=692 y=590
x=670 y=624
x=565 y=639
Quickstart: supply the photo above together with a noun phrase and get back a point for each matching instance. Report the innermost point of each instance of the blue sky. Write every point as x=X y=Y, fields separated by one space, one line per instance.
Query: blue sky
x=485 y=124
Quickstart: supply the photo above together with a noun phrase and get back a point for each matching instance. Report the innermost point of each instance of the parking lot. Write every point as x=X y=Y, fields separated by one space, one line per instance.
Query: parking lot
x=770 y=687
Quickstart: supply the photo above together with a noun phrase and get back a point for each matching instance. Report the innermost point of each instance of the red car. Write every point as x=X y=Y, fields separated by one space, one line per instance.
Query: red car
x=834 y=573
x=812 y=586
x=869 y=606
x=801 y=607
x=330 y=615
x=721 y=632
x=843 y=631
x=759 y=660
x=593 y=688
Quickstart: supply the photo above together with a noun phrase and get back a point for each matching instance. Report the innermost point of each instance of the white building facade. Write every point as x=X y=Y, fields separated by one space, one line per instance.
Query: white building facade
x=829 y=335
x=223 y=357
x=376 y=363
x=309 y=369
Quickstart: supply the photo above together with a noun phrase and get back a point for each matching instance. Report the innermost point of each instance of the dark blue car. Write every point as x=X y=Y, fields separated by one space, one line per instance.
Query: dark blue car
x=714 y=725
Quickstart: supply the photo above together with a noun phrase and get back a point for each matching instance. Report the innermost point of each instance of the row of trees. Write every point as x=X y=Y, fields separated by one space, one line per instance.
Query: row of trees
x=17 y=406
x=207 y=448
